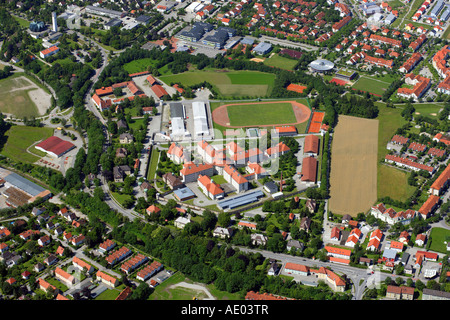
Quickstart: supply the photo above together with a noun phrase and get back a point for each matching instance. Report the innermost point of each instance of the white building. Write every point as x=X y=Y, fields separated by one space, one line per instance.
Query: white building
x=200 y=118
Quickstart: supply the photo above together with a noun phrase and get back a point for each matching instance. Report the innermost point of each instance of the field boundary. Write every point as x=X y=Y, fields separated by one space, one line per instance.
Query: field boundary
x=353 y=177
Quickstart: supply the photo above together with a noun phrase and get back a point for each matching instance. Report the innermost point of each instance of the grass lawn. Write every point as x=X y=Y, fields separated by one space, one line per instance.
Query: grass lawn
x=140 y=65
x=374 y=85
x=19 y=138
x=136 y=124
x=233 y=83
x=164 y=292
x=15 y=100
x=437 y=238
x=23 y=23
x=250 y=77
x=428 y=109
x=280 y=62
x=120 y=197
x=262 y=114
x=218 y=179
x=394 y=183
x=391 y=182
x=389 y=120
x=153 y=164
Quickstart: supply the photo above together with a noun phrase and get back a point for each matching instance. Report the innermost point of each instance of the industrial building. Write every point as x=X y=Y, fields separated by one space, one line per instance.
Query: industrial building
x=262 y=48
x=200 y=118
x=20 y=191
x=196 y=32
x=240 y=200
x=104 y=12
x=55 y=146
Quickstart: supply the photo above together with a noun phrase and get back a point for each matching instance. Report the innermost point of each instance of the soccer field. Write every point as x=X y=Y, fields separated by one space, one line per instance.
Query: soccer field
x=353 y=179
x=21 y=97
x=373 y=86
x=261 y=114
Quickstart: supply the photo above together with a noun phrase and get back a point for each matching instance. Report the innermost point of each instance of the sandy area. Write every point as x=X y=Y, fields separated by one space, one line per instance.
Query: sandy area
x=41 y=99
x=195 y=287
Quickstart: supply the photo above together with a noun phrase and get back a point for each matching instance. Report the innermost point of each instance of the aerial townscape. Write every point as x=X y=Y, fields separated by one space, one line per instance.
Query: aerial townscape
x=224 y=150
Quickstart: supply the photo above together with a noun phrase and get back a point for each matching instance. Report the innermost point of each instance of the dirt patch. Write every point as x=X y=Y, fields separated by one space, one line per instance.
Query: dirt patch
x=41 y=99
x=203 y=292
x=19 y=99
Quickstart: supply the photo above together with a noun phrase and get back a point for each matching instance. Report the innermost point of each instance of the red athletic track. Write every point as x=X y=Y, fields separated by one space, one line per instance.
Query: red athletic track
x=220 y=115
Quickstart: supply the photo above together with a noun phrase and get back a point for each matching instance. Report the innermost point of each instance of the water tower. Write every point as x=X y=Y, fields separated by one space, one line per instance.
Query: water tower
x=54 y=22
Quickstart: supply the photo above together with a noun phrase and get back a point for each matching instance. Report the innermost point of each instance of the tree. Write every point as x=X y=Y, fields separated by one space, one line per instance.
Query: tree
x=224 y=219
x=209 y=220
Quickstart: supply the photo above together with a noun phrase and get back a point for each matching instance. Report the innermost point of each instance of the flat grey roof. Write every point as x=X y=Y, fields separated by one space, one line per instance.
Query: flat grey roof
x=23 y=184
x=389 y=253
x=241 y=200
x=183 y=193
x=247 y=40
x=322 y=65
x=176 y=110
x=262 y=47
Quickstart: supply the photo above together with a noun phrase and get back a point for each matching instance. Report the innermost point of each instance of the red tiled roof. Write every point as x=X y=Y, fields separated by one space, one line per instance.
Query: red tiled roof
x=309 y=169
x=55 y=145
x=297 y=267
x=286 y=129
x=190 y=168
x=210 y=185
x=428 y=205
x=399 y=139
x=311 y=144
x=159 y=90
x=49 y=50
x=443 y=178
x=104 y=91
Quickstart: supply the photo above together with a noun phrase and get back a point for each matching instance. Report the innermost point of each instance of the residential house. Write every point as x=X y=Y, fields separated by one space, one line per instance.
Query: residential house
x=172 y=181
x=246 y=224
x=107 y=279
x=420 y=239
x=82 y=265
x=181 y=222
x=126 y=138
x=338 y=255
x=223 y=232
x=400 y=293
x=258 y=239
x=210 y=188
x=152 y=209
x=294 y=245
x=64 y=277
x=106 y=246
x=335 y=234
x=78 y=240
x=294 y=268
x=332 y=279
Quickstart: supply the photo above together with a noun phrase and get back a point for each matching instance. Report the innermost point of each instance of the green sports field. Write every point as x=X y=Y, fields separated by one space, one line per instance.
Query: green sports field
x=261 y=114
x=17 y=91
x=232 y=83
x=374 y=85
x=281 y=62
x=20 y=138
